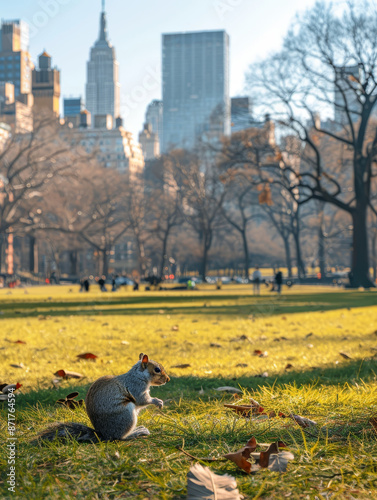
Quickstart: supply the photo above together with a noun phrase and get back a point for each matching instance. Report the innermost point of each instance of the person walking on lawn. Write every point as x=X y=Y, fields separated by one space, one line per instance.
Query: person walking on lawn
x=257 y=279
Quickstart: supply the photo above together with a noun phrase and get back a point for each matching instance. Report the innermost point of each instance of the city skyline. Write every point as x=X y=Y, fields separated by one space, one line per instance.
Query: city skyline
x=57 y=27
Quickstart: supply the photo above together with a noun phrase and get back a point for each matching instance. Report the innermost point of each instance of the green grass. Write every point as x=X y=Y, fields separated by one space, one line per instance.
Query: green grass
x=336 y=459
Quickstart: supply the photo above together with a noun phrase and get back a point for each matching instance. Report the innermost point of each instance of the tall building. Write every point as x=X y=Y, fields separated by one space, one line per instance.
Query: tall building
x=241 y=113
x=154 y=116
x=15 y=61
x=72 y=106
x=149 y=142
x=16 y=113
x=102 y=87
x=46 y=85
x=195 y=88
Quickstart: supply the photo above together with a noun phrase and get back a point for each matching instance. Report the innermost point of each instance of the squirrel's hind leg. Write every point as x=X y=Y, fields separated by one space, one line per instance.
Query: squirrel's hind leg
x=136 y=433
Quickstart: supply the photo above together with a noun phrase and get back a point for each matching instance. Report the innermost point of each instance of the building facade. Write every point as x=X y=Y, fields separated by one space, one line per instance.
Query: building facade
x=196 y=101
x=15 y=61
x=46 y=85
x=241 y=113
x=102 y=87
x=114 y=147
x=154 y=116
x=16 y=113
x=72 y=106
x=149 y=143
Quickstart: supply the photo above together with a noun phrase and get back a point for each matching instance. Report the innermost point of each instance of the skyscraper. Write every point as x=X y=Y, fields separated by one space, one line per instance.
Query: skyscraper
x=154 y=115
x=15 y=60
x=72 y=106
x=46 y=85
x=195 y=88
x=102 y=87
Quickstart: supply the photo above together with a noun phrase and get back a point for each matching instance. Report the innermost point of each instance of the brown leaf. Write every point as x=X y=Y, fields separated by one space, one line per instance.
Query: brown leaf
x=345 y=355
x=261 y=354
x=15 y=341
x=240 y=457
x=302 y=421
x=66 y=374
x=289 y=366
x=184 y=365
x=21 y=365
x=308 y=335
x=264 y=456
x=213 y=344
x=175 y=328
x=87 y=355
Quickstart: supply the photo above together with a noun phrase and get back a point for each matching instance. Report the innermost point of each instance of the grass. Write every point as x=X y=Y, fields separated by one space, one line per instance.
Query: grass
x=337 y=459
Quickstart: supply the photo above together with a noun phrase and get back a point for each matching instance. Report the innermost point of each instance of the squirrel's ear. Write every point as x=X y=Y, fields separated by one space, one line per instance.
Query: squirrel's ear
x=145 y=359
x=141 y=355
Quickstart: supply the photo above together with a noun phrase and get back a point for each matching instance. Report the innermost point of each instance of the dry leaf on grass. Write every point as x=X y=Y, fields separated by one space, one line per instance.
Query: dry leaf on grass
x=87 y=355
x=373 y=423
x=213 y=344
x=67 y=374
x=289 y=366
x=203 y=484
x=15 y=341
x=261 y=354
x=271 y=459
x=229 y=389
x=184 y=365
x=175 y=328
x=345 y=355
x=70 y=401
x=21 y=365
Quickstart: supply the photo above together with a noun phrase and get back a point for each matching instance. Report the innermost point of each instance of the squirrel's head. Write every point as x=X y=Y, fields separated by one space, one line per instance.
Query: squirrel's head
x=156 y=372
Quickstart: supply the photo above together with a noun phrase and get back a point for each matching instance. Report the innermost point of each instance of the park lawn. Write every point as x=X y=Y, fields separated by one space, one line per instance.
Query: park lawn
x=313 y=325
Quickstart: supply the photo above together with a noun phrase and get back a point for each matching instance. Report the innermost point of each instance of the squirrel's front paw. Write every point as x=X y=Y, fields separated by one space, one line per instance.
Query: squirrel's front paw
x=158 y=402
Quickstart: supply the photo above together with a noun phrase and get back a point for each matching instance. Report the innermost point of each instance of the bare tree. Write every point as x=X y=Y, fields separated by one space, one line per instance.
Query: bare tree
x=201 y=194
x=328 y=64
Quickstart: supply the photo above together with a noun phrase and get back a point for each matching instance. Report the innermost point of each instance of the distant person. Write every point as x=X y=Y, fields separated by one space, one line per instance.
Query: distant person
x=257 y=279
x=101 y=283
x=136 y=286
x=86 y=284
x=278 y=281
x=53 y=278
x=113 y=283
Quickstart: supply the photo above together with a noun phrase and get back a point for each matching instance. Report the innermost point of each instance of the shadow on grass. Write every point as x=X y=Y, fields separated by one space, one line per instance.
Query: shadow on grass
x=213 y=304
x=189 y=387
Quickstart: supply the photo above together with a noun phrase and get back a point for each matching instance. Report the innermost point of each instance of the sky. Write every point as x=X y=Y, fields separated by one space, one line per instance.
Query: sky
x=67 y=29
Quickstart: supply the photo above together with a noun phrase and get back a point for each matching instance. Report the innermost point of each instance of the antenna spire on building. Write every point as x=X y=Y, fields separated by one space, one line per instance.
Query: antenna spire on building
x=103 y=5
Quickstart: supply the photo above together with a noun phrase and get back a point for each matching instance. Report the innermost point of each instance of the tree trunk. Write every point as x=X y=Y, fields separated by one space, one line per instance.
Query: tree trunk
x=206 y=247
x=246 y=254
x=359 y=275
x=73 y=261
x=163 y=256
x=374 y=254
x=296 y=236
x=288 y=258
x=33 y=255
x=105 y=262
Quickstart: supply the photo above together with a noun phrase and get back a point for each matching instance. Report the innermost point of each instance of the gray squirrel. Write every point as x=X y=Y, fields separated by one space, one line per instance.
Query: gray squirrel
x=113 y=405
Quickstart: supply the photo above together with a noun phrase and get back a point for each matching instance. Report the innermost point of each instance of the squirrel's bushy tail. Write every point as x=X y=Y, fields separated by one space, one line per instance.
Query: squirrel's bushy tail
x=68 y=430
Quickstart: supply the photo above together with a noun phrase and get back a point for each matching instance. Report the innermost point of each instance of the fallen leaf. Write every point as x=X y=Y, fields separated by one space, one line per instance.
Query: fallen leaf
x=289 y=366
x=240 y=457
x=215 y=345
x=308 y=335
x=229 y=389
x=21 y=365
x=175 y=328
x=66 y=374
x=242 y=365
x=184 y=365
x=15 y=341
x=87 y=355
x=203 y=484
x=345 y=355
x=70 y=402
x=261 y=354
x=302 y=421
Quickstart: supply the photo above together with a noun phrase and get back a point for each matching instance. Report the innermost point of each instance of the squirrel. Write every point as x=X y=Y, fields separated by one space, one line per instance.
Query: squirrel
x=113 y=405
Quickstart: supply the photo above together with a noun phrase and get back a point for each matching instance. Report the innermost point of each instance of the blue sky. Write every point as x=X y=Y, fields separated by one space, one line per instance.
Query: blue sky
x=68 y=28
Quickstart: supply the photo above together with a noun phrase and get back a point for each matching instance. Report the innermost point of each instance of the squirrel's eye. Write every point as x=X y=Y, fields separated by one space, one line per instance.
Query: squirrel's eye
x=157 y=370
